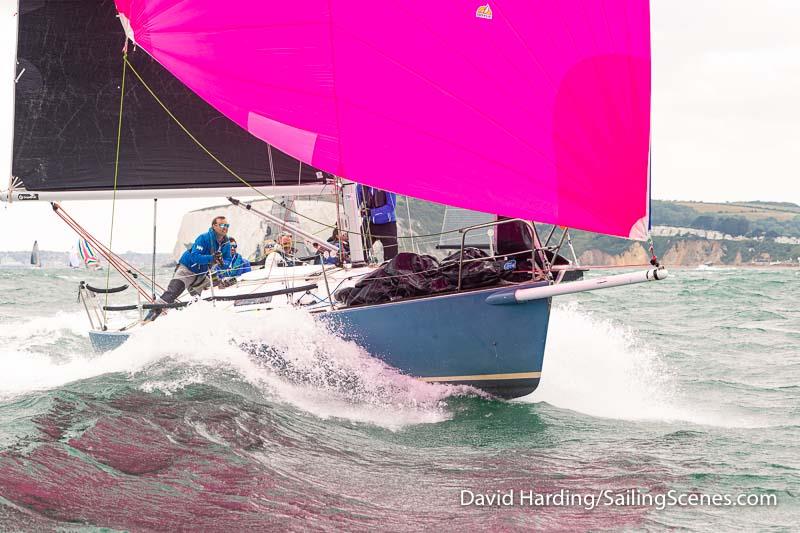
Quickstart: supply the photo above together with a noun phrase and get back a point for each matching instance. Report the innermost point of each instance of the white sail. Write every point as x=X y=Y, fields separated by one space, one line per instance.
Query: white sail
x=35 y=259
x=74 y=258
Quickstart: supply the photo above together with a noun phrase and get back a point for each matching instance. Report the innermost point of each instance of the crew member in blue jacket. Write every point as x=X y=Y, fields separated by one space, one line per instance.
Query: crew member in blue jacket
x=377 y=209
x=237 y=266
x=210 y=249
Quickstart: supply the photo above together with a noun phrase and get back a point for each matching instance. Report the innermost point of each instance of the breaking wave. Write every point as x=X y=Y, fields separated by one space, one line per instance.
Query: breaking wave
x=286 y=356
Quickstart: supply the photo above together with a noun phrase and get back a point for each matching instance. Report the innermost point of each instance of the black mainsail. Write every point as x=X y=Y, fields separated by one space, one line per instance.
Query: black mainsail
x=67 y=100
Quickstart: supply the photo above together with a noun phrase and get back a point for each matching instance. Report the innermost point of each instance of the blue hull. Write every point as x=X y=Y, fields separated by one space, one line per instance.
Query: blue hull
x=104 y=341
x=456 y=338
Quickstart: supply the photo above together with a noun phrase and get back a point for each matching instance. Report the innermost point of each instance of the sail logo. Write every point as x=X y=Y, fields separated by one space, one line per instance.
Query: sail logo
x=484 y=12
x=27 y=196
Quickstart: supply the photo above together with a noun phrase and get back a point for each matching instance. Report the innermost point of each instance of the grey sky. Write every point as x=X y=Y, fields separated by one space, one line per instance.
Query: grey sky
x=726 y=120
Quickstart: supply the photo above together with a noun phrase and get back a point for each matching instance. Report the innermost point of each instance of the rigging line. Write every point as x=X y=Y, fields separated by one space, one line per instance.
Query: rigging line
x=410 y=227
x=365 y=226
x=207 y=151
x=110 y=259
x=115 y=262
x=231 y=171
x=338 y=187
x=271 y=167
x=116 y=170
x=155 y=214
x=122 y=266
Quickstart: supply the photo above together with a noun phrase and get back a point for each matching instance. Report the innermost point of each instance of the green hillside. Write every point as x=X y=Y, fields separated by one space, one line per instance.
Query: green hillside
x=760 y=222
x=752 y=219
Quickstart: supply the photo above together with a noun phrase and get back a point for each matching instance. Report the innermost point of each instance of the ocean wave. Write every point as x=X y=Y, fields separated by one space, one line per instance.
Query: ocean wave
x=598 y=367
x=331 y=377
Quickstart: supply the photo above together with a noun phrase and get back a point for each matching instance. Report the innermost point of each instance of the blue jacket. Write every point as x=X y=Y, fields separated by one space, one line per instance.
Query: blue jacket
x=380 y=212
x=237 y=266
x=201 y=254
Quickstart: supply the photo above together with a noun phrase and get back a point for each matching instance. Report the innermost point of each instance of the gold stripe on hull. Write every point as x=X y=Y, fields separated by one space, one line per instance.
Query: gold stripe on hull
x=481 y=377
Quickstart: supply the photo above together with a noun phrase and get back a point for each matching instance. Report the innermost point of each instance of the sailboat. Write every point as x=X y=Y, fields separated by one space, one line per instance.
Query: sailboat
x=74 y=259
x=530 y=111
x=88 y=257
x=36 y=261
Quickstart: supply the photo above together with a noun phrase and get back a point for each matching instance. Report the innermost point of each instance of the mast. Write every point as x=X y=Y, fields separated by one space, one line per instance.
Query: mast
x=352 y=221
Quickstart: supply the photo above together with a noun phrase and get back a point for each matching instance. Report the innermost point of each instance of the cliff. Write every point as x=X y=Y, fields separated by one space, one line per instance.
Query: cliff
x=250 y=230
x=694 y=252
x=681 y=253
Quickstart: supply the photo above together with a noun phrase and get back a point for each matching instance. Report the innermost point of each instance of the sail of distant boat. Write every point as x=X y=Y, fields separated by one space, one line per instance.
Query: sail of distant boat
x=74 y=259
x=35 y=259
x=88 y=257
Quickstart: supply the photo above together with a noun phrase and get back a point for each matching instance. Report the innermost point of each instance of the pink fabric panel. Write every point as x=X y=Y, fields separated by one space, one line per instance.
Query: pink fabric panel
x=286 y=138
x=542 y=112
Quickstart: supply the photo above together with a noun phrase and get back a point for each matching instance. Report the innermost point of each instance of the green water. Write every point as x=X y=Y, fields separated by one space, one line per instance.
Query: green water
x=688 y=388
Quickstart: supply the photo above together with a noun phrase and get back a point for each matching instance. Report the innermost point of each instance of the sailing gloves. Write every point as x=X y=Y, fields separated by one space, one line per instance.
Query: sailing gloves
x=218 y=258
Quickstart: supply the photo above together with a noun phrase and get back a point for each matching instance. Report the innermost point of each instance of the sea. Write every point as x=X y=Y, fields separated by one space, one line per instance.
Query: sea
x=663 y=406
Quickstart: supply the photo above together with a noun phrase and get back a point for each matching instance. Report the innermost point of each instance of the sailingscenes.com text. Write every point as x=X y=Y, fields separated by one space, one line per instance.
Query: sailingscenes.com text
x=611 y=498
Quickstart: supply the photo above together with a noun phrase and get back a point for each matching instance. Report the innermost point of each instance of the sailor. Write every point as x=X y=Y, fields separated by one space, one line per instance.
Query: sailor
x=323 y=256
x=380 y=221
x=210 y=250
x=340 y=240
x=287 y=244
x=287 y=251
x=237 y=266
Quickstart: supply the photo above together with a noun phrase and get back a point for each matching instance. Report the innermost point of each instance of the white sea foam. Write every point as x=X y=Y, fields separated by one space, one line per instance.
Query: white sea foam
x=23 y=372
x=329 y=377
x=318 y=371
x=600 y=368
x=42 y=327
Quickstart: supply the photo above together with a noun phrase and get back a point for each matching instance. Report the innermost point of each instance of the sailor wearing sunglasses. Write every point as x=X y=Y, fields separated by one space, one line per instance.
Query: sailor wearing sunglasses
x=210 y=250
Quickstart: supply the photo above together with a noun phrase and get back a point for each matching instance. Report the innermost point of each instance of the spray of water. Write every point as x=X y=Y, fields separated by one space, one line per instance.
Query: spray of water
x=285 y=354
x=598 y=367
x=592 y=366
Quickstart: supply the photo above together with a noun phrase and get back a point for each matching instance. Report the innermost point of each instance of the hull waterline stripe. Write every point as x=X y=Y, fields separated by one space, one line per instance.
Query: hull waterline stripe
x=479 y=377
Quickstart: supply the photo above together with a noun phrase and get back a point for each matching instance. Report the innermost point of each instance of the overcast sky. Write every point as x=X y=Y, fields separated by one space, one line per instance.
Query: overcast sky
x=726 y=121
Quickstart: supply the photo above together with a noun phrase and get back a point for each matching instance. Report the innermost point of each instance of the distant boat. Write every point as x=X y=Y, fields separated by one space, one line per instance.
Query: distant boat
x=88 y=256
x=35 y=259
x=74 y=258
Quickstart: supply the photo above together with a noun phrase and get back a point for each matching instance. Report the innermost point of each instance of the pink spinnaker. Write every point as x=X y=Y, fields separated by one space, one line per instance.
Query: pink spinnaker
x=530 y=108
